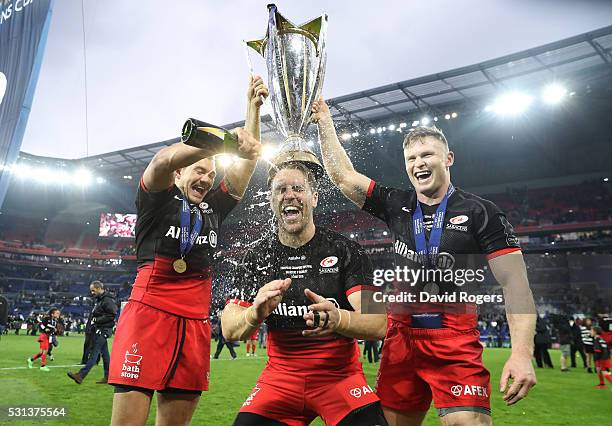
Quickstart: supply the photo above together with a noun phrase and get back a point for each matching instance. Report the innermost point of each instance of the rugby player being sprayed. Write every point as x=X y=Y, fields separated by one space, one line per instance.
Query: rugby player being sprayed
x=306 y=282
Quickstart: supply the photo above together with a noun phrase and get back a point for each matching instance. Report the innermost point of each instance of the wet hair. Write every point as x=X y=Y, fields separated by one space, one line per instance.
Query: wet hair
x=295 y=165
x=52 y=311
x=421 y=132
x=97 y=284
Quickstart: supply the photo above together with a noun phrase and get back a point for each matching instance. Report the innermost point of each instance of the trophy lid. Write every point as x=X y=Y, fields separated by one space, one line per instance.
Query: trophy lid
x=307 y=158
x=310 y=29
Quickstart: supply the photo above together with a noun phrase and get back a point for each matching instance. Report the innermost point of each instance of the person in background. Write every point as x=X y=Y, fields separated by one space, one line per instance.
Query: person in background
x=48 y=328
x=370 y=348
x=587 y=341
x=577 y=345
x=542 y=343
x=103 y=320
x=222 y=342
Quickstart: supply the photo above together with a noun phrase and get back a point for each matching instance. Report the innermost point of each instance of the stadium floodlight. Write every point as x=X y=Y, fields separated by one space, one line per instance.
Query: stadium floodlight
x=346 y=136
x=513 y=103
x=553 y=93
x=606 y=179
x=488 y=108
x=379 y=130
x=268 y=151
x=82 y=177
x=403 y=125
x=21 y=170
x=43 y=175
x=447 y=116
x=372 y=131
x=425 y=121
x=435 y=118
x=415 y=123
x=62 y=177
x=391 y=126
x=127 y=177
x=454 y=115
x=355 y=134
x=100 y=179
x=352 y=235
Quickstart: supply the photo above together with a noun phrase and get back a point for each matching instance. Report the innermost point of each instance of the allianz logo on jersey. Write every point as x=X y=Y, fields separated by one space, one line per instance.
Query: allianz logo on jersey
x=328 y=265
x=402 y=249
x=211 y=238
x=287 y=310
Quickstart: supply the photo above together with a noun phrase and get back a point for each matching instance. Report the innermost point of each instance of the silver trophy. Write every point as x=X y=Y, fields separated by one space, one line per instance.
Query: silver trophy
x=295 y=57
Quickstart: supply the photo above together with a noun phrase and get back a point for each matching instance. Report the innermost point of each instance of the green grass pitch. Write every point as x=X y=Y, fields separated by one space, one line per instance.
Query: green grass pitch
x=558 y=399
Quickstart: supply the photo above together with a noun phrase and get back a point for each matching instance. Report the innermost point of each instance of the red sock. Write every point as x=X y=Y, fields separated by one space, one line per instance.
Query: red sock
x=253 y=348
x=38 y=355
x=608 y=377
x=44 y=359
x=248 y=347
x=601 y=376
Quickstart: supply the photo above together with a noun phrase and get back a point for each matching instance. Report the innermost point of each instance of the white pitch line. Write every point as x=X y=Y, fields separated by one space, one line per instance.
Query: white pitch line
x=36 y=368
x=80 y=365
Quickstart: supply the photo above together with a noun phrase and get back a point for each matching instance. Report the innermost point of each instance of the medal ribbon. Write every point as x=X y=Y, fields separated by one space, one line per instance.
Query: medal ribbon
x=188 y=238
x=428 y=249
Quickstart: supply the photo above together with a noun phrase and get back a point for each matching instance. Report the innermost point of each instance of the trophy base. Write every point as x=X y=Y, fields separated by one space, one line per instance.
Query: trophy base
x=306 y=157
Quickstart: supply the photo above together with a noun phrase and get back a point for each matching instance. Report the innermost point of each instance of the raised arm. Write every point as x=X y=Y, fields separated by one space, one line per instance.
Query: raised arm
x=239 y=174
x=238 y=322
x=159 y=174
x=509 y=270
x=337 y=164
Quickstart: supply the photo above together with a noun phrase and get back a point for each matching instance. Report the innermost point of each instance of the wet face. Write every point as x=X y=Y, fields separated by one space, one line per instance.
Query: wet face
x=196 y=180
x=292 y=200
x=427 y=163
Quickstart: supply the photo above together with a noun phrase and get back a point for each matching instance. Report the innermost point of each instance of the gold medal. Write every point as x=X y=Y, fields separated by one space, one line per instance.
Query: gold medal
x=179 y=265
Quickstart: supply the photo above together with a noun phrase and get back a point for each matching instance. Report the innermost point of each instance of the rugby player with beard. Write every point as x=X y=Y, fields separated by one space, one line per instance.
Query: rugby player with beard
x=435 y=353
x=306 y=282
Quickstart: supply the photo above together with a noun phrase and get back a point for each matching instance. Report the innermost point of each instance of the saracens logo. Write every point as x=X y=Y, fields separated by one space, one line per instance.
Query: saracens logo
x=458 y=220
x=329 y=261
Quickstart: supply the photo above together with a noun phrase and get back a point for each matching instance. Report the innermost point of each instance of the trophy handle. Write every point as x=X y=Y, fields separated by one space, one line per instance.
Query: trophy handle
x=322 y=54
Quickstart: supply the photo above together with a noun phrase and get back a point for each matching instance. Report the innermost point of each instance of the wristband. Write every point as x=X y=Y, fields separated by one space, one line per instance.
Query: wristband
x=344 y=320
